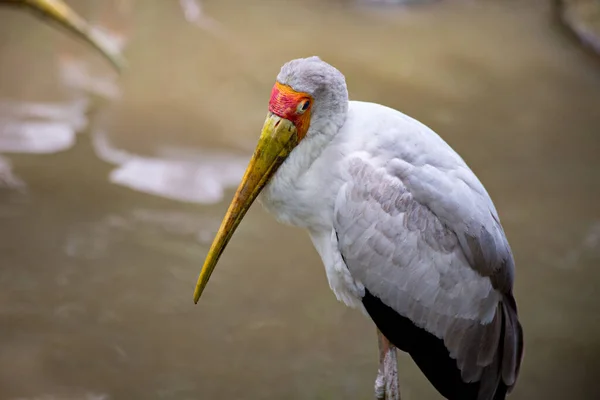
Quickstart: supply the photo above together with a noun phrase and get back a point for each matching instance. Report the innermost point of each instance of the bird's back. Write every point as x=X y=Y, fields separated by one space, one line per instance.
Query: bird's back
x=417 y=228
x=414 y=227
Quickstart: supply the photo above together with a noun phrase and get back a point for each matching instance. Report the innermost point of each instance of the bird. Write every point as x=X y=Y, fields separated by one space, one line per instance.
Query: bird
x=406 y=231
x=59 y=12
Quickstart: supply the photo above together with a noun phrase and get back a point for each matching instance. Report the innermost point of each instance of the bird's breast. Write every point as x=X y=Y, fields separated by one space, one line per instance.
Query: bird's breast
x=302 y=192
x=301 y=202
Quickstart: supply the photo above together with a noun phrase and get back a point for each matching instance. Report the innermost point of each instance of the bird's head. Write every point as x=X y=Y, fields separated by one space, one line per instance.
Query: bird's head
x=309 y=97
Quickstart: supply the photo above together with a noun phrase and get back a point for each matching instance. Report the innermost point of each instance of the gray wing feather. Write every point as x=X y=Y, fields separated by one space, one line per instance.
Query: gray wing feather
x=436 y=255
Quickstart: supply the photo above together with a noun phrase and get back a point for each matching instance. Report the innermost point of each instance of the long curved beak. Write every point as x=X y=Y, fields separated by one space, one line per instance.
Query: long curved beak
x=58 y=11
x=278 y=138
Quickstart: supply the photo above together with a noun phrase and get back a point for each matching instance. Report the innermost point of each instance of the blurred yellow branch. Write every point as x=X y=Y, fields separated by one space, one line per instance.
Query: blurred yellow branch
x=58 y=11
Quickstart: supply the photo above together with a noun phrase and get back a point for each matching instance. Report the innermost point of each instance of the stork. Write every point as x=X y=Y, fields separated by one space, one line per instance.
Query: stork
x=406 y=231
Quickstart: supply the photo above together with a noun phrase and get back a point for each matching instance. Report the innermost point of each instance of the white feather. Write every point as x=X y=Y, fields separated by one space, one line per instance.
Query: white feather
x=391 y=208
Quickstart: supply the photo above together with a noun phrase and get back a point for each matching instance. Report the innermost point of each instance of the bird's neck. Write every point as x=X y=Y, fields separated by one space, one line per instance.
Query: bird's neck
x=304 y=178
x=323 y=129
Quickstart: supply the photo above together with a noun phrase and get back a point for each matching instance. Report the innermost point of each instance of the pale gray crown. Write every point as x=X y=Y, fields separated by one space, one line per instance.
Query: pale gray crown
x=324 y=83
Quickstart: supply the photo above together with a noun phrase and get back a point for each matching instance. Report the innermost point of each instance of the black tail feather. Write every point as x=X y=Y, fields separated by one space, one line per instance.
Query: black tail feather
x=432 y=357
x=428 y=351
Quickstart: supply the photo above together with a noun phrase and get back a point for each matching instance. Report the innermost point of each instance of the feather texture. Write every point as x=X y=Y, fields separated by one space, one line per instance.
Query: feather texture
x=406 y=232
x=417 y=264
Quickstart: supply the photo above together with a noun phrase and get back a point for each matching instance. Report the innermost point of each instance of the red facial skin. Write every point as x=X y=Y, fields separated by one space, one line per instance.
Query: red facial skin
x=286 y=103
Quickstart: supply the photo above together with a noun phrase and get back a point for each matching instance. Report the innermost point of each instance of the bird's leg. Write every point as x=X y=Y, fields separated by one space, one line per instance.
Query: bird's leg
x=386 y=384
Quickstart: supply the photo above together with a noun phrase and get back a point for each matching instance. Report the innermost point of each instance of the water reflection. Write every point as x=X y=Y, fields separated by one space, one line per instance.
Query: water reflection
x=197 y=176
x=8 y=179
x=194 y=13
x=76 y=74
x=40 y=128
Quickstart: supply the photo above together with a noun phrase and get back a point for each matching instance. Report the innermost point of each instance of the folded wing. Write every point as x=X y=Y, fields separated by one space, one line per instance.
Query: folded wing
x=428 y=244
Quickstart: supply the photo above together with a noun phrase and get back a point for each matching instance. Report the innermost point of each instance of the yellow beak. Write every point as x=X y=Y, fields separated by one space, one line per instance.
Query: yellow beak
x=278 y=138
x=58 y=11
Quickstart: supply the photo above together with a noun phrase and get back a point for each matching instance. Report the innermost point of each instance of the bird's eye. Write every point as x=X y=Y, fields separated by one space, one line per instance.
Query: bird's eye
x=303 y=106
